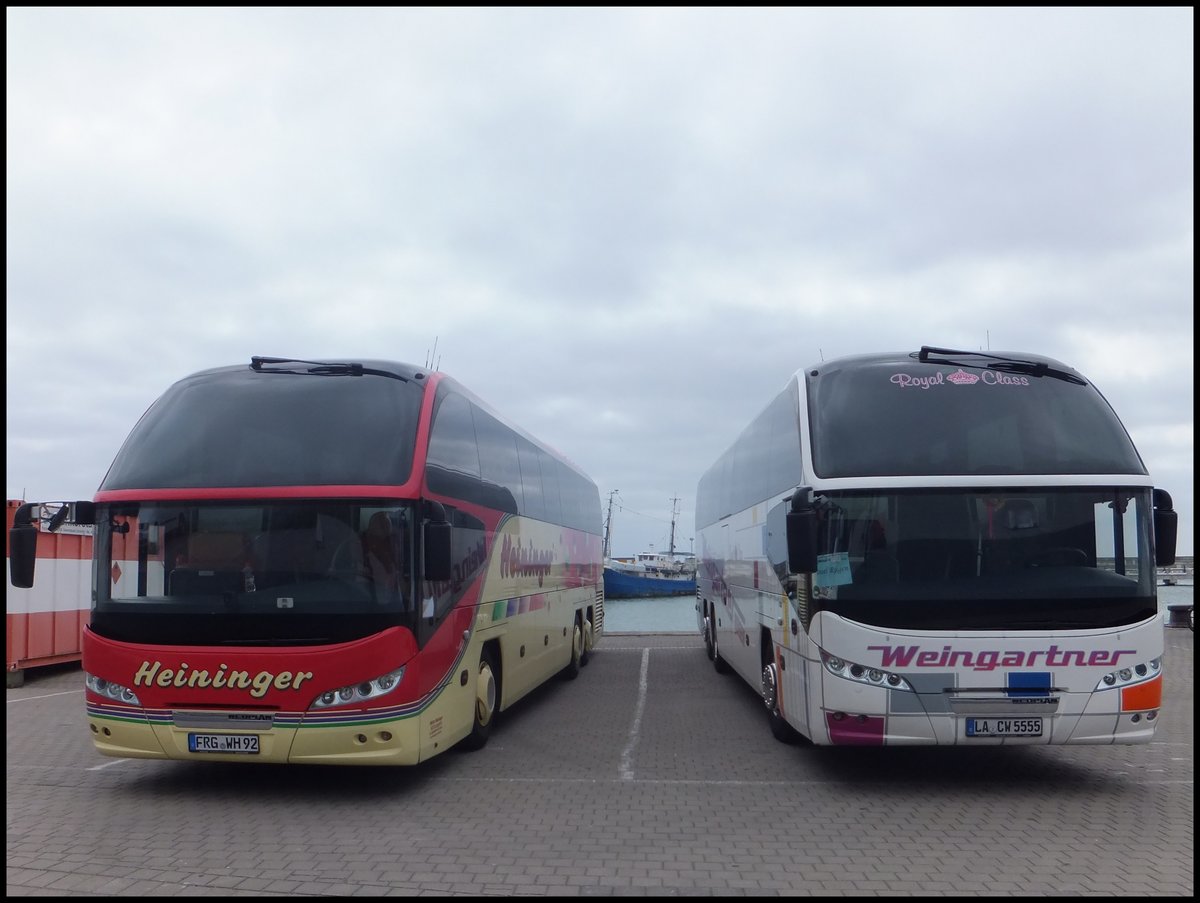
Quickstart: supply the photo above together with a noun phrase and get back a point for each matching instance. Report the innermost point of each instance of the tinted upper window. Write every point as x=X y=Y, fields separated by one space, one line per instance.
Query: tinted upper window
x=452 y=444
x=906 y=418
x=497 y=453
x=235 y=426
x=764 y=460
x=475 y=456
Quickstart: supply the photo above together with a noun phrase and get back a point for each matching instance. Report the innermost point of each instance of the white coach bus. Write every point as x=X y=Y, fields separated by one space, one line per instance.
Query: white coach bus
x=938 y=547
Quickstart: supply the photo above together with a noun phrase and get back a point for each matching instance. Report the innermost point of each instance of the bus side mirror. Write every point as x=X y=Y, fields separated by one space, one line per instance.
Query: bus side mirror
x=437 y=552
x=22 y=547
x=1166 y=528
x=802 y=541
x=802 y=533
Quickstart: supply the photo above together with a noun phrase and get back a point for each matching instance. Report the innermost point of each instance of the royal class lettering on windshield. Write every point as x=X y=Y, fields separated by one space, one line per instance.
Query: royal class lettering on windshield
x=907 y=380
x=155 y=675
x=988 y=660
x=958 y=378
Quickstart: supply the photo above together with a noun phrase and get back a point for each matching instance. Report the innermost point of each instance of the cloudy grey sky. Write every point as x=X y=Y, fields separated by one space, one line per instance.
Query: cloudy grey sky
x=623 y=228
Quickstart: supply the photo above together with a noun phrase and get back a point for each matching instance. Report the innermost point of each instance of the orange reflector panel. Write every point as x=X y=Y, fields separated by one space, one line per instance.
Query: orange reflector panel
x=1143 y=696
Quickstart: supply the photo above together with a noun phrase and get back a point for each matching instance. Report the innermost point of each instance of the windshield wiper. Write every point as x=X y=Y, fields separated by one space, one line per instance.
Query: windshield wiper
x=319 y=368
x=1006 y=364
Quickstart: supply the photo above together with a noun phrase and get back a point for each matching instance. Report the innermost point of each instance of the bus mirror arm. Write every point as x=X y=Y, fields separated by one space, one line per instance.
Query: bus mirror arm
x=79 y=513
x=1166 y=528
x=435 y=512
x=802 y=499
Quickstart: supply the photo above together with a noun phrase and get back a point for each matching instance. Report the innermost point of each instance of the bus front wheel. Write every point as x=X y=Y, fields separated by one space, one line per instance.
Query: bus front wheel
x=487 y=695
x=782 y=731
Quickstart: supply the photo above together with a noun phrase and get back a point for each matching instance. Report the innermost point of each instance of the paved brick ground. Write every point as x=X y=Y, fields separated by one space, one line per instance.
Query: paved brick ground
x=648 y=775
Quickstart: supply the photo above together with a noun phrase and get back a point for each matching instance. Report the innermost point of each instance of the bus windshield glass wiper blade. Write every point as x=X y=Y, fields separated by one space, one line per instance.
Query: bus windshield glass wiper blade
x=1006 y=364
x=1036 y=369
x=319 y=368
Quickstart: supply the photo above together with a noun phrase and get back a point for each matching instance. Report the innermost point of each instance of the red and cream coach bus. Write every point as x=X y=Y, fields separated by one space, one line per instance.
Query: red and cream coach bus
x=327 y=562
x=942 y=547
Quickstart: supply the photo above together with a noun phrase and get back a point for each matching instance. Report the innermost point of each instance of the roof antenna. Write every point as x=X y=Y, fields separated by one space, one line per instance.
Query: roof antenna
x=430 y=363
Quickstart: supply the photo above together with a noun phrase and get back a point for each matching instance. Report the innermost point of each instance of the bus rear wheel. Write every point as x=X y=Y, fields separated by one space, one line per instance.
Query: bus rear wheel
x=487 y=696
x=588 y=639
x=719 y=663
x=571 y=671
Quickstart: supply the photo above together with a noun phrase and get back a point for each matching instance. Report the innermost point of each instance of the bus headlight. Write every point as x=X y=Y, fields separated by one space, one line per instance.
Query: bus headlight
x=861 y=674
x=110 y=690
x=1127 y=676
x=358 y=693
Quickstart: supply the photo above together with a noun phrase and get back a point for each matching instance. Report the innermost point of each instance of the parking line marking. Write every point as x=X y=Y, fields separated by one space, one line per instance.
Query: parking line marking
x=635 y=730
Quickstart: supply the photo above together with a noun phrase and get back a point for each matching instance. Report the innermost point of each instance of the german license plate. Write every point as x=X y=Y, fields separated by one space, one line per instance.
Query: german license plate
x=223 y=743
x=1004 y=727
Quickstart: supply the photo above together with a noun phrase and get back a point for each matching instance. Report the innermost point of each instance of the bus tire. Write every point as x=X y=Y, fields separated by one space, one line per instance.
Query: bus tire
x=571 y=671
x=719 y=663
x=487 y=698
x=587 y=641
x=710 y=647
x=782 y=731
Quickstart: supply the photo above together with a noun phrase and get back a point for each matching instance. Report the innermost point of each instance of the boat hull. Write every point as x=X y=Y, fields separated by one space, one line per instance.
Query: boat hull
x=619 y=585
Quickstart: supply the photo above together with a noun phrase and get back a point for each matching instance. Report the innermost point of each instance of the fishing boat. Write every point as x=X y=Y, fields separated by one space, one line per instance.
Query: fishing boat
x=650 y=573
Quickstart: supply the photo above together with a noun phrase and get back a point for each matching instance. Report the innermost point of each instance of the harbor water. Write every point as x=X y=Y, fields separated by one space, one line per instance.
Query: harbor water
x=677 y=614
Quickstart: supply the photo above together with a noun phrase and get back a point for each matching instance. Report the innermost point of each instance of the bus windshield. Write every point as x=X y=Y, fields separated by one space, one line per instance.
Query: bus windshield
x=987 y=559
x=262 y=573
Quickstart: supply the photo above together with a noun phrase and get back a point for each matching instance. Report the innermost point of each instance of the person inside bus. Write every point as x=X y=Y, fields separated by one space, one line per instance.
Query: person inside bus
x=382 y=554
x=879 y=564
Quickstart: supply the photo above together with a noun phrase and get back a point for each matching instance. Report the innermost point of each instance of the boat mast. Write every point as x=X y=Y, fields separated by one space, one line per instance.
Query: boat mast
x=671 y=553
x=608 y=522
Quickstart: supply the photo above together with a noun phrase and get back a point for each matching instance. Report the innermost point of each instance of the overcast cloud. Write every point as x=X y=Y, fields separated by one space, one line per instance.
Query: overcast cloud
x=623 y=228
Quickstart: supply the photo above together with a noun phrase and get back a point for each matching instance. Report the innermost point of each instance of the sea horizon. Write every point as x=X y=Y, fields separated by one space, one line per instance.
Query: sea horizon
x=677 y=614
